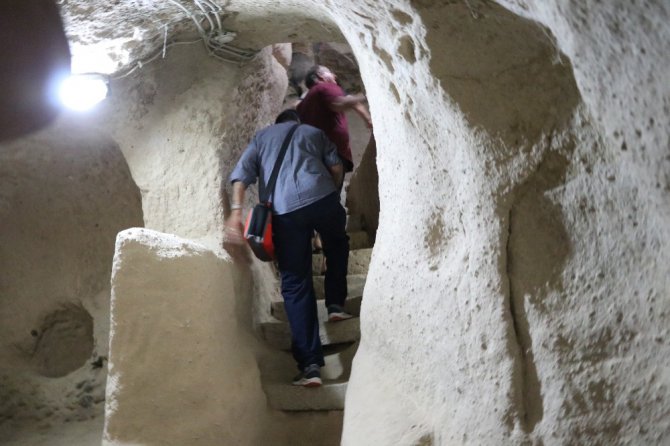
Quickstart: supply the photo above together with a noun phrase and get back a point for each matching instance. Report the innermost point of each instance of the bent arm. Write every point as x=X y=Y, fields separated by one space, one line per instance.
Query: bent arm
x=352 y=102
x=343 y=103
x=362 y=111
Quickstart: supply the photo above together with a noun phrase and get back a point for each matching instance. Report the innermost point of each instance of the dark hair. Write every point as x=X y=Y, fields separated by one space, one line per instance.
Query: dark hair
x=287 y=115
x=312 y=76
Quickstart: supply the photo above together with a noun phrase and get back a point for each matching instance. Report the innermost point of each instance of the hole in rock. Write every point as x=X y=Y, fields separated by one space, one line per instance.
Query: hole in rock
x=64 y=341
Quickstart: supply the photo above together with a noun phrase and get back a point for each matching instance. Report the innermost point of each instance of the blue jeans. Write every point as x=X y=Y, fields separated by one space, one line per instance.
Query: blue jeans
x=293 y=247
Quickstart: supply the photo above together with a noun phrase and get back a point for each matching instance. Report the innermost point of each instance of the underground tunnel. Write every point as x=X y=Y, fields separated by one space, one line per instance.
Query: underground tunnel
x=512 y=210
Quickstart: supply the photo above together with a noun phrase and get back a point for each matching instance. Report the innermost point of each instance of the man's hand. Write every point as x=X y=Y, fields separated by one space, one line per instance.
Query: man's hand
x=234 y=229
x=233 y=238
x=368 y=123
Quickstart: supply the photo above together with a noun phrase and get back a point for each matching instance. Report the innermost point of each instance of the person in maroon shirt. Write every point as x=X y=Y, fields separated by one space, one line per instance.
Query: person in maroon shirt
x=323 y=107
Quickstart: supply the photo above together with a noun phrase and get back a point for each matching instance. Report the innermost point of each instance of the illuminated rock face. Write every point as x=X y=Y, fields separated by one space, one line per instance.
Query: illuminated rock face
x=518 y=288
x=519 y=279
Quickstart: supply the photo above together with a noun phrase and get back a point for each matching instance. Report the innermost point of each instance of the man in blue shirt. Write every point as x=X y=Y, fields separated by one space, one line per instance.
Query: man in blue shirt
x=305 y=199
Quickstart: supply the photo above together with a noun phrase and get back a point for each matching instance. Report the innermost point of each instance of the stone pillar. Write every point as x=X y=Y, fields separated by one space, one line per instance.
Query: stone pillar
x=181 y=368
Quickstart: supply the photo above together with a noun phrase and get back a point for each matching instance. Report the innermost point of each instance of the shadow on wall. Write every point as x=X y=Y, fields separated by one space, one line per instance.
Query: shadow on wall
x=539 y=244
x=538 y=248
x=502 y=70
x=363 y=191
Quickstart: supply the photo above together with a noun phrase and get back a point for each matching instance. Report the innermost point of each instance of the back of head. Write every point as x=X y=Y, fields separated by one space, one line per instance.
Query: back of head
x=287 y=116
x=312 y=76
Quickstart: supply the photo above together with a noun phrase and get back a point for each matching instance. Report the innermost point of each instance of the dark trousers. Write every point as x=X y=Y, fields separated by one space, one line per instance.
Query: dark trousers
x=292 y=237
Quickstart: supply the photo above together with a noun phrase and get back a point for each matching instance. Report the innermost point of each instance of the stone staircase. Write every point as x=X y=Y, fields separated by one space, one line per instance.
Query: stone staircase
x=339 y=339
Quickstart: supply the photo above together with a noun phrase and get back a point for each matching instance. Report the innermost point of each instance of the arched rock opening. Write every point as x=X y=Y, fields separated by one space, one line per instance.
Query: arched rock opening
x=470 y=335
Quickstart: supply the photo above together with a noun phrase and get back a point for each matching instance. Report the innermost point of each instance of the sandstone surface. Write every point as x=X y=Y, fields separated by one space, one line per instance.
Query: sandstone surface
x=176 y=347
x=64 y=194
x=519 y=287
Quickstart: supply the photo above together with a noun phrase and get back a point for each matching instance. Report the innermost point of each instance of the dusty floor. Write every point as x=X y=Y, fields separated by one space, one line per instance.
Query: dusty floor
x=78 y=433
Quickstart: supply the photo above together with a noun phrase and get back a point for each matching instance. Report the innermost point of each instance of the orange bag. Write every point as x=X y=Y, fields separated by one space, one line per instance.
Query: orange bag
x=258 y=232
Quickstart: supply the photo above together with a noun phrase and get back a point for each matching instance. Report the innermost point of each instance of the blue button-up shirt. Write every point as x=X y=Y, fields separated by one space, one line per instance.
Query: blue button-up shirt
x=303 y=177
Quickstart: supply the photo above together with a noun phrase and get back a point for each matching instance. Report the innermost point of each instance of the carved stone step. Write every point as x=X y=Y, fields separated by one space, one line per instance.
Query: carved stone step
x=276 y=374
x=355 y=285
x=278 y=333
x=359 y=262
x=330 y=396
x=352 y=306
x=279 y=366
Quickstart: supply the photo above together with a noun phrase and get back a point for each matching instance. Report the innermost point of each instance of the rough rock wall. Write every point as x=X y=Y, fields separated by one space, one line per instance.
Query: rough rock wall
x=490 y=154
x=181 y=123
x=522 y=296
x=256 y=102
x=175 y=121
x=182 y=126
x=614 y=358
x=64 y=194
x=107 y=37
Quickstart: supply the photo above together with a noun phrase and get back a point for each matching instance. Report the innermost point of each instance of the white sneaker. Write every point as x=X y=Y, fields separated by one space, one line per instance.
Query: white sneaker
x=337 y=313
x=310 y=377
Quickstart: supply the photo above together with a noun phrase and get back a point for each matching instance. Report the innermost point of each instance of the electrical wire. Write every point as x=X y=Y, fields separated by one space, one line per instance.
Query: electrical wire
x=211 y=38
x=190 y=15
x=165 y=28
x=209 y=19
x=216 y=9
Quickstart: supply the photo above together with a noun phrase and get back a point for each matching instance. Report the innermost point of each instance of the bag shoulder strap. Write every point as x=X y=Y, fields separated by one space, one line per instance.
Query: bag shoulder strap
x=269 y=188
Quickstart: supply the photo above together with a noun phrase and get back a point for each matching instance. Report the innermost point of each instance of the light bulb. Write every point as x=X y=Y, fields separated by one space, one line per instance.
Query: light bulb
x=82 y=92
